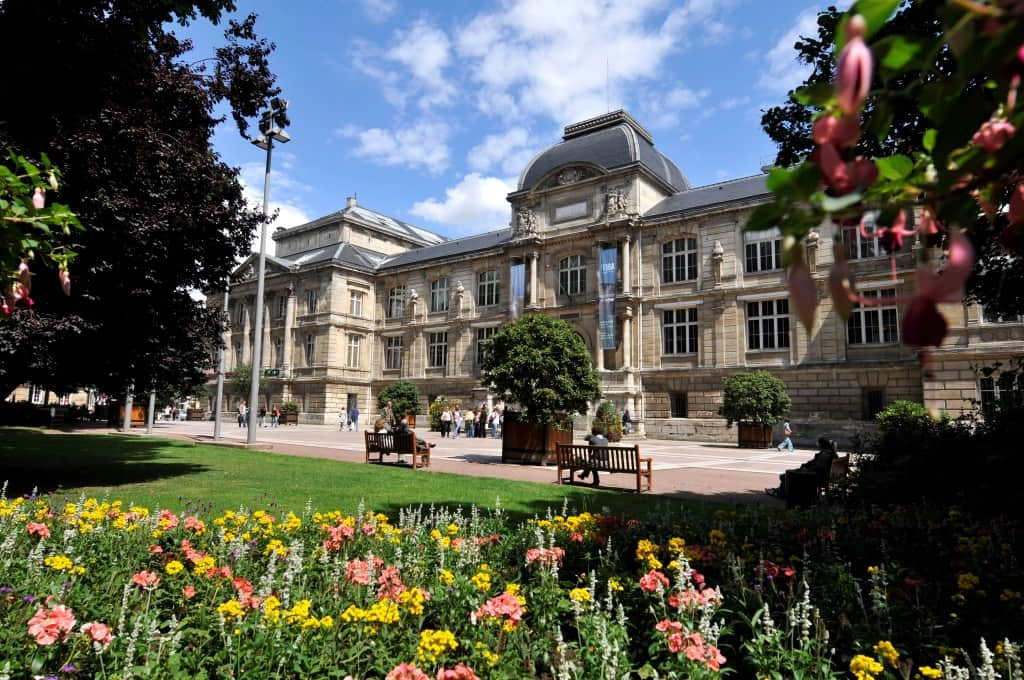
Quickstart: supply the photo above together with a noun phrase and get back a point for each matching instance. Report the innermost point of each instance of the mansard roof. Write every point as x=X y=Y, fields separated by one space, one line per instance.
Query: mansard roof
x=610 y=142
x=363 y=216
x=463 y=246
x=743 y=189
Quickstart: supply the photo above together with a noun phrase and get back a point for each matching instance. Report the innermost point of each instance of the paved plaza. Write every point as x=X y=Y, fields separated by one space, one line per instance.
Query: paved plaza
x=696 y=470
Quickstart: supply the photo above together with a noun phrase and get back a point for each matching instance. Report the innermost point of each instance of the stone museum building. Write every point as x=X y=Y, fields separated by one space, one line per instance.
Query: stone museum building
x=658 y=277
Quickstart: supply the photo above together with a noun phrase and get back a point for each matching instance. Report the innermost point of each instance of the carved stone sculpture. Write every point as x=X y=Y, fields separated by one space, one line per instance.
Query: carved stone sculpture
x=526 y=223
x=614 y=203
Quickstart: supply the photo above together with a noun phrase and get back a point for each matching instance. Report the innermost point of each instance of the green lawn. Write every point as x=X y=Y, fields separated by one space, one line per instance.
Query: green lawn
x=177 y=475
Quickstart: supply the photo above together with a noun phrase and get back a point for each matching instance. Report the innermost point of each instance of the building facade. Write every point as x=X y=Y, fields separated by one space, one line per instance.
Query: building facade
x=356 y=300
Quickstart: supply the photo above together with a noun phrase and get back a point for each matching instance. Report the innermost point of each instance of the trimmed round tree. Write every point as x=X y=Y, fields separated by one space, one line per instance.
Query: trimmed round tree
x=542 y=366
x=757 y=399
x=403 y=395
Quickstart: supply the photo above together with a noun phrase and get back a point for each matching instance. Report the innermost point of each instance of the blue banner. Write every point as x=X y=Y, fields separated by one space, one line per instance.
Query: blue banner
x=606 y=300
x=517 y=284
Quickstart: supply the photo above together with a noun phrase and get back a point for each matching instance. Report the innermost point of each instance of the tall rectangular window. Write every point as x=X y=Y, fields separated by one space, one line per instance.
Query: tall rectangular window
x=874 y=325
x=763 y=254
x=679 y=327
x=437 y=350
x=312 y=300
x=238 y=353
x=239 y=314
x=859 y=246
x=483 y=336
x=572 y=275
x=1005 y=392
x=679 y=403
x=35 y=394
x=679 y=260
x=355 y=303
x=354 y=344
x=487 y=289
x=310 y=348
x=396 y=302
x=282 y=306
x=278 y=352
x=439 y=295
x=393 y=352
x=768 y=324
x=873 y=403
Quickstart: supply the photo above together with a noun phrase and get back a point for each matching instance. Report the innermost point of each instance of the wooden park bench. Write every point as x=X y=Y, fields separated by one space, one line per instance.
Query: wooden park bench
x=381 y=444
x=806 y=487
x=604 y=459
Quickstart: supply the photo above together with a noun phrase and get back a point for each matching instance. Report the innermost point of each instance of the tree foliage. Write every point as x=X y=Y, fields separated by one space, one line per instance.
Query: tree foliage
x=117 y=101
x=541 y=365
x=403 y=395
x=240 y=382
x=610 y=420
x=756 y=397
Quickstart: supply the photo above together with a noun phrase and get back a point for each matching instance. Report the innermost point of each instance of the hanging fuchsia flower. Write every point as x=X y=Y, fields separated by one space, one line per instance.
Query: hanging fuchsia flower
x=853 y=75
x=39 y=198
x=923 y=324
x=840 y=283
x=993 y=134
x=842 y=176
x=25 y=277
x=841 y=131
x=891 y=237
x=803 y=294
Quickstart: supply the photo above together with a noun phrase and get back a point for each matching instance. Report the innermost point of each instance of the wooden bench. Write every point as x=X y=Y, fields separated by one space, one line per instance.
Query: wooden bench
x=604 y=459
x=386 y=443
x=805 y=488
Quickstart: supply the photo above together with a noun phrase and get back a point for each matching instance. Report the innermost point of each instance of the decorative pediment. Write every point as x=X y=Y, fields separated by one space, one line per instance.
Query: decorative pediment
x=569 y=175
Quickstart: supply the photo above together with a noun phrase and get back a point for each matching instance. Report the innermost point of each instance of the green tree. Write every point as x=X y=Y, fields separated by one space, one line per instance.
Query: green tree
x=128 y=114
x=610 y=420
x=403 y=395
x=240 y=382
x=756 y=397
x=541 y=365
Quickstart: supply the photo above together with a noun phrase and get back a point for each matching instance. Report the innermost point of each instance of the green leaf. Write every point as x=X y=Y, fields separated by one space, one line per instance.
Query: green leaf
x=928 y=140
x=817 y=94
x=837 y=203
x=898 y=51
x=765 y=216
x=895 y=167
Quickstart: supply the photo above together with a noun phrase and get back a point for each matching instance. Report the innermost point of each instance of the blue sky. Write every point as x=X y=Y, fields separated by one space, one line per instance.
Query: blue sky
x=429 y=111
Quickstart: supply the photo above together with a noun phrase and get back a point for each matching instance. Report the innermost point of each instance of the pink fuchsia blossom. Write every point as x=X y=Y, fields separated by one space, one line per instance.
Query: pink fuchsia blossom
x=923 y=324
x=38 y=529
x=891 y=237
x=460 y=672
x=993 y=134
x=49 y=625
x=650 y=581
x=39 y=198
x=25 y=277
x=99 y=633
x=406 y=671
x=65 y=281
x=803 y=293
x=853 y=74
x=840 y=131
x=843 y=176
x=146 y=579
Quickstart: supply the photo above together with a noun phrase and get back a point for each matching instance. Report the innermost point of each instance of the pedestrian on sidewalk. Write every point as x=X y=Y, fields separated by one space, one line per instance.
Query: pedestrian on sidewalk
x=342 y=420
x=787 y=434
x=456 y=421
x=353 y=418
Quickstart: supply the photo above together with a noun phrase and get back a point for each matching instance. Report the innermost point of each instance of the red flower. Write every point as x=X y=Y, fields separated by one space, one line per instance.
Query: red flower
x=853 y=75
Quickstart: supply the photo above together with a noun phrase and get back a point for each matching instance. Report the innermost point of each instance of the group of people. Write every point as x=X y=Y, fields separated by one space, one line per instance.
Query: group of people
x=478 y=422
x=389 y=422
x=261 y=415
x=348 y=419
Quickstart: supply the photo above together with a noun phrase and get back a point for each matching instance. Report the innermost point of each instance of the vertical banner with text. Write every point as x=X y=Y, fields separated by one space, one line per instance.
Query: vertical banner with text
x=517 y=285
x=606 y=300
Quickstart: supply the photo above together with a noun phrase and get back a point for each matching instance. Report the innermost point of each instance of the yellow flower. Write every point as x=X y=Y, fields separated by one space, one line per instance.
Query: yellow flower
x=413 y=600
x=434 y=643
x=613 y=584
x=232 y=608
x=579 y=595
x=676 y=545
x=446 y=577
x=383 y=611
x=291 y=523
x=59 y=563
x=453 y=529
x=929 y=672
x=203 y=565
x=872 y=571
x=353 y=613
x=174 y=567
x=327 y=622
x=646 y=550
x=967 y=581
x=864 y=667
x=885 y=650
x=716 y=537
x=482 y=579
x=277 y=547
x=271 y=609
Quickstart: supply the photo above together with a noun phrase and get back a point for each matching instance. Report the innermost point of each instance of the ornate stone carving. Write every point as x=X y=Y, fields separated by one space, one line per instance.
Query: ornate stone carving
x=812 y=250
x=614 y=202
x=526 y=223
x=717 y=255
x=413 y=295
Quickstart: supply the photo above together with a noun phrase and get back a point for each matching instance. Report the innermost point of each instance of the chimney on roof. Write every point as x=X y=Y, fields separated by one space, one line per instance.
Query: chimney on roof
x=350 y=202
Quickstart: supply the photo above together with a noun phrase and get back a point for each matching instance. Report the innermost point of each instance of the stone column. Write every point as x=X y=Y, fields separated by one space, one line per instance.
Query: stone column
x=627 y=282
x=268 y=351
x=246 y=329
x=534 y=259
x=627 y=339
x=289 y=332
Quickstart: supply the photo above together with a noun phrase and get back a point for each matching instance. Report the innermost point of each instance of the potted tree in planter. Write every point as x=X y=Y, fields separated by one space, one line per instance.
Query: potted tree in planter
x=542 y=369
x=404 y=398
x=610 y=420
x=754 y=401
x=289 y=413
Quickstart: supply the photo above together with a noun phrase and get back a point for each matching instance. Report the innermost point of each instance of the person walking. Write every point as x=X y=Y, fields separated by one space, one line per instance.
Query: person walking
x=275 y=415
x=342 y=420
x=493 y=422
x=456 y=421
x=353 y=418
x=446 y=421
x=263 y=416
x=787 y=434
x=241 y=413
x=481 y=421
x=627 y=422
x=470 y=420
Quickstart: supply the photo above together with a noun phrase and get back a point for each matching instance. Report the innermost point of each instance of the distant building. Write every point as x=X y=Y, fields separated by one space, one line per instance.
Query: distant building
x=356 y=300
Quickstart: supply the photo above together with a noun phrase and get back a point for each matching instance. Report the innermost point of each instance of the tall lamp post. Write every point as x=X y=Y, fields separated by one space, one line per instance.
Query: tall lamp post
x=272 y=124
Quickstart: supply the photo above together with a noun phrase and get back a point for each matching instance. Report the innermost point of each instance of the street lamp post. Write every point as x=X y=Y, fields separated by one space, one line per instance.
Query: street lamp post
x=219 y=405
x=272 y=125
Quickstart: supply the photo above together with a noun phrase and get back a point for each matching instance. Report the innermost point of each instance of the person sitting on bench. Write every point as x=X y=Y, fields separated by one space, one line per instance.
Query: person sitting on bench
x=820 y=465
x=403 y=428
x=595 y=438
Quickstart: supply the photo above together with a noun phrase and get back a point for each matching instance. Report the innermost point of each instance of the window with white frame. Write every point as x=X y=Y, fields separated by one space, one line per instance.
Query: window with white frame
x=282 y=306
x=768 y=324
x=396 y=302
x=874 y=324
x=763 y=250
x=1006 y=391
x=354 y=344
x=393 y=346
x=860 y=246
x=572 y=275
x=679 y=328
x=278 y=352
x=487 y=289
x=310 y=348
x=679 y=260
x=437 y=350
x=312 y=299
x=439 y=295
x=36 y=394
x=993 y=316
x=483 y=337
x=355 y=302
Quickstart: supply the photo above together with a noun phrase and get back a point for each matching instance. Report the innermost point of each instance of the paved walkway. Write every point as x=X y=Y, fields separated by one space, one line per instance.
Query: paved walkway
x=695 y=470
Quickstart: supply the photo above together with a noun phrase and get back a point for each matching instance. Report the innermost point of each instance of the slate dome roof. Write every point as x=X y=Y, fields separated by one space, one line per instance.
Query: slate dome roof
x=610 y=141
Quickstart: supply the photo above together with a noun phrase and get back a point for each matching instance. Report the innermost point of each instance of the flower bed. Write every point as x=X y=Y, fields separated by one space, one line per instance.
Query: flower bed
x=101 y=589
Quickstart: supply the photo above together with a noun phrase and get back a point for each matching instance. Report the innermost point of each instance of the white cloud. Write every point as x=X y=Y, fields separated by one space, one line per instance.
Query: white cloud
x=411 y=68
x=285 y=198
x=510 y=152
x=661 y=109
x=423 y=144
x=782 y=72
x=379 y=10
x=474 y=205
x=536 y=57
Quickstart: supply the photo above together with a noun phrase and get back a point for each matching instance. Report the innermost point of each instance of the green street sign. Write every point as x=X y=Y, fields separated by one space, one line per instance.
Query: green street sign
x=271 y=372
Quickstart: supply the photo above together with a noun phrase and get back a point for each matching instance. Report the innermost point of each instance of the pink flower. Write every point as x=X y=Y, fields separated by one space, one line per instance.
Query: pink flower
x=49 y=625
x=65 y=281
x=98 y=632
x=406 y=671
x=193 y=523
x=25 y=277
x=38 y=529
x=545 y=556
x=803 y=293
x=923 y=324
x=39 y=198
x=503 y=606
x=840 y=131
x=168 y=520
x=853 y=76
x=146 y=579
x=361 y=572
x=155 y=549
x=189 y=592
x=993 y=134
x=460 y=672
x=650 y=581
x=390 y=584
x=844 y=177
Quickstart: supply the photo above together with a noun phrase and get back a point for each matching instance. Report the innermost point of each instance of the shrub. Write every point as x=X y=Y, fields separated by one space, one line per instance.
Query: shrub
x=757 y=397
x=290 y=407
x=439 y=404
x=609 y=418
x=903 y=415
x=403 y=395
